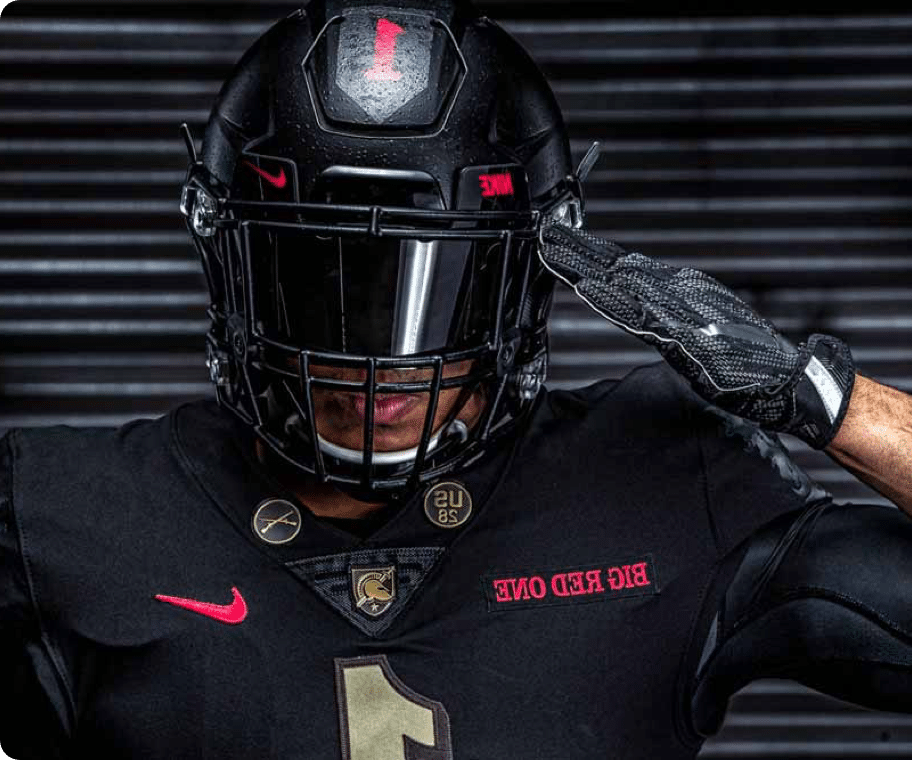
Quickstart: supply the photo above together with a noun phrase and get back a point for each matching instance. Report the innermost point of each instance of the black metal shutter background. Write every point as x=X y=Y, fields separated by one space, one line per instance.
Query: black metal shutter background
x=774 y=152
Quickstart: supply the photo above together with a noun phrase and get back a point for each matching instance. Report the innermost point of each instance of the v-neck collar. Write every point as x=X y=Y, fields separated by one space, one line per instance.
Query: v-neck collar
x=218 y=451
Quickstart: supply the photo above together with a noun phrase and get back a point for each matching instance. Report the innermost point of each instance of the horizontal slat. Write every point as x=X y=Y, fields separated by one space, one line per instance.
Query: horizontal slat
x=107 y=206
x=785 y=204
x=608 y=116
x=123 y=55
x=743 y=145
x=95 y=147
x=687 y=26
x=168 y=87
x=20 y=28
x=666 y=55
x=126 y=237
x=766 y=235
x=170 y=179
x=135 y=267
x=79 y=327
x=105 y=390
x=96 y=300
x=751 y=174
x=62 y=360
x=839 y=84
x=101 y=116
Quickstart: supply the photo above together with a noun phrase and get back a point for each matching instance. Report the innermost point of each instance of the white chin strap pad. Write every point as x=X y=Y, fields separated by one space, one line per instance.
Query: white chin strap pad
x=356 y=456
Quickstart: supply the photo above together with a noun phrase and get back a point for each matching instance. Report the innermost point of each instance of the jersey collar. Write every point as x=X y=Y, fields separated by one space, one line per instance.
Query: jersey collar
x=217 y=451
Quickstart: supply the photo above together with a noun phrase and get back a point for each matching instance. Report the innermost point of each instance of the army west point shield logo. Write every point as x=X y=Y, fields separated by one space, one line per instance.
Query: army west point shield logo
x=373 y=588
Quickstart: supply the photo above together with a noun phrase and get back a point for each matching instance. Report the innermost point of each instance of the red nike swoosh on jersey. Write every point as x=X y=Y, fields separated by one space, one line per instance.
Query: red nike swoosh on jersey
x=276 y=180
x=232 y=614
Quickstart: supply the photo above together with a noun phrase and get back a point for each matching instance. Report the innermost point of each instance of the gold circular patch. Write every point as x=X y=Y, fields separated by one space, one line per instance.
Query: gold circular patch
x=448 y=504
x=277 y=521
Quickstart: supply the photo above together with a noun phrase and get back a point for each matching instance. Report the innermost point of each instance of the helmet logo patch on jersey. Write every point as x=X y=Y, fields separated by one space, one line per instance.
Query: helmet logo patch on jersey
x=448 y=504
x=374 y=589
x=493 y=185
x=277 y=521
x=383 y=63
x=352 y=583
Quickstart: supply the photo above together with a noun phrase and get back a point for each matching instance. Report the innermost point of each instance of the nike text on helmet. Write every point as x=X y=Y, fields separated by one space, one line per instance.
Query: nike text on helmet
x=368 y=198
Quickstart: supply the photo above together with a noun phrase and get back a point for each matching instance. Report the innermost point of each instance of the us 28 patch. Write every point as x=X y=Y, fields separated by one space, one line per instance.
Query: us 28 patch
x=570 y=585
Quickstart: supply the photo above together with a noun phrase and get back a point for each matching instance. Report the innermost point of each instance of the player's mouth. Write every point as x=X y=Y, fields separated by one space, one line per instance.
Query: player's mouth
x=388 y=407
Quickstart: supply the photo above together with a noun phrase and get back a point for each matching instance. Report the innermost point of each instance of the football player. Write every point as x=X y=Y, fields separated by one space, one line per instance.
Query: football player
x=386 y=539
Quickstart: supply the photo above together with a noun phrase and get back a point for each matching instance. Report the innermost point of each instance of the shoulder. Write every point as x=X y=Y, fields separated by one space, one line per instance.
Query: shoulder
x=102 y=515
x=629 y=440
x=98 y=482
x=93 y=460
x=655 y=424
x=649 y=404
x=59 y=460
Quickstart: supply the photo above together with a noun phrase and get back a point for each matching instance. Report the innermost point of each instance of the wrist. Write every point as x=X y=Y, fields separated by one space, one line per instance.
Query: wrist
x=823 y=390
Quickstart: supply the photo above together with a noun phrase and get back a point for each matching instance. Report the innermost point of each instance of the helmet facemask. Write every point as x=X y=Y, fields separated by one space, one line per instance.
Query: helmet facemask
x=333 y=311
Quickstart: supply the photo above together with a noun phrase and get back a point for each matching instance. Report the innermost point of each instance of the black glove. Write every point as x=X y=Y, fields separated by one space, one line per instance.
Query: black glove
x=729 y=354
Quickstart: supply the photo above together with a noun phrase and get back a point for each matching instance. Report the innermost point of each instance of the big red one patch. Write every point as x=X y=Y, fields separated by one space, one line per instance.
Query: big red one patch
x=587 y=583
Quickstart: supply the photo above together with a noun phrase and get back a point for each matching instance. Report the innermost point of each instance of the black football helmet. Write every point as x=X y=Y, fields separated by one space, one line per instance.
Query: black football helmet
x=371 y=187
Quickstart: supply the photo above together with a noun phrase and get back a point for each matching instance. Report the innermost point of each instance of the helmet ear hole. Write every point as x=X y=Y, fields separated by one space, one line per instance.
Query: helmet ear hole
x=536 y=306
x=246 y=373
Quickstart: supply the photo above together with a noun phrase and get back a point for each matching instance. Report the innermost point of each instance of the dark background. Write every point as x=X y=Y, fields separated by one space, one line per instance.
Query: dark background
x=773 y=151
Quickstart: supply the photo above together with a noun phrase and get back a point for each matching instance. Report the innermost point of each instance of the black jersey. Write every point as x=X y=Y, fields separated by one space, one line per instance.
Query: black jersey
x=164 y=596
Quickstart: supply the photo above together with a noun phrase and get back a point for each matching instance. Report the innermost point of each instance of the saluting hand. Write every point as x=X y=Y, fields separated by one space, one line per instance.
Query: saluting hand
x=728 y=353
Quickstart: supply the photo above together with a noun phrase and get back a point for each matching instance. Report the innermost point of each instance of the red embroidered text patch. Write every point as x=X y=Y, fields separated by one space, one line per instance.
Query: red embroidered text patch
x=589 y=583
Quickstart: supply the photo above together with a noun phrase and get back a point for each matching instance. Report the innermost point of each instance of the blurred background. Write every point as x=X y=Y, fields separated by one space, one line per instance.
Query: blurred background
x=773 y=151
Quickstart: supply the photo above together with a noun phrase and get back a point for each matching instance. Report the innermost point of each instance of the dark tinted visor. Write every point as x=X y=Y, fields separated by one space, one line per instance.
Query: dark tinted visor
x=379 y=296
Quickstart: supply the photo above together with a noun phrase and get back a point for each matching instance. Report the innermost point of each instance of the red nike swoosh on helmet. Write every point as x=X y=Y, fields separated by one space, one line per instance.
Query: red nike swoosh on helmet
x=276 y=180
x=232 y=614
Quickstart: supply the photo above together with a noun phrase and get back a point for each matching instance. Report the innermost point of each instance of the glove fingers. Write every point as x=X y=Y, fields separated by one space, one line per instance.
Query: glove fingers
x=699 y=325
x=619 y=305
x=574 y=255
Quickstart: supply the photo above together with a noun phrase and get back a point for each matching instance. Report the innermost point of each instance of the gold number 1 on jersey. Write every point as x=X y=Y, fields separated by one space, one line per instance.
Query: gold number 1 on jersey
x=380 y=718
